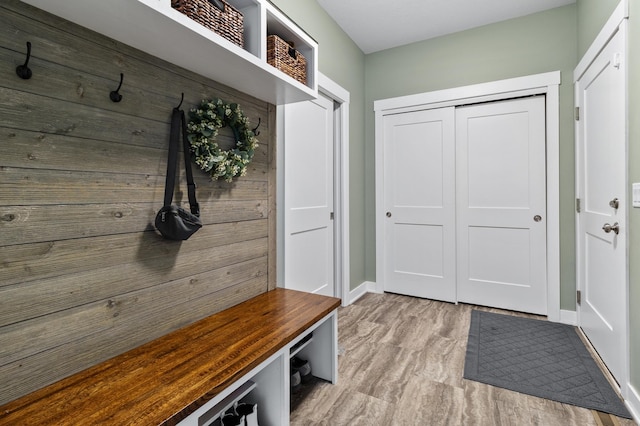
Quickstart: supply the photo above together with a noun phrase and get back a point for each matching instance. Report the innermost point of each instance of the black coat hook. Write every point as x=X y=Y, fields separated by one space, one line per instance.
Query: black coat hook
x=255 y=130
x=23 y=71
x=181 y=100
x=115 y=96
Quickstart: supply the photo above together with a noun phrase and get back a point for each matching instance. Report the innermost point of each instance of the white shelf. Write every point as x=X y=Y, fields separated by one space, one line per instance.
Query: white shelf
x=294 y=350
x=153 y=26
x=220 y=408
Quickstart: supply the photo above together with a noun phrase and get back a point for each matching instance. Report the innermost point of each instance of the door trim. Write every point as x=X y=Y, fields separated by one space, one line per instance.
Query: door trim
x=617 y=22
x=545 y=83
x=341 y=98
x=609 y=29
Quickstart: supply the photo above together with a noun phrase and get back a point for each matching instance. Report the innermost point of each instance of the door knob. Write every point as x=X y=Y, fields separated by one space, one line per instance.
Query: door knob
x=388 y=214
x=608 y=228
x=537 y=218
x=615 y=203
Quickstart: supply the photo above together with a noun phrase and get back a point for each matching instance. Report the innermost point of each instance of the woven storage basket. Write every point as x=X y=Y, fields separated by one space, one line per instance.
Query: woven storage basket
x=227 y=22
x=283 y=56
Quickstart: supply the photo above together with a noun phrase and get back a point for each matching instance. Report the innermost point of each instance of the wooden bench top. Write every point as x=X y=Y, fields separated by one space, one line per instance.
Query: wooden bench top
x=163 y=381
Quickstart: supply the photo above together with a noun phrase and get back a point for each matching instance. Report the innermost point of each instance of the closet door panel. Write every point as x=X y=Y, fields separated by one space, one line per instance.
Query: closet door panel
x=501 y=205
x=419 y=240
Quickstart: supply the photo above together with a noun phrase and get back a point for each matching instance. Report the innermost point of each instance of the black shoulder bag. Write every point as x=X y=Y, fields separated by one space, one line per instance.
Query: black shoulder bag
x=174 y=222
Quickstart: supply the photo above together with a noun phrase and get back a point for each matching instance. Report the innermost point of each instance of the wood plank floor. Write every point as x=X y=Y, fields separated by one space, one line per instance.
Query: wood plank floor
x=401 y=363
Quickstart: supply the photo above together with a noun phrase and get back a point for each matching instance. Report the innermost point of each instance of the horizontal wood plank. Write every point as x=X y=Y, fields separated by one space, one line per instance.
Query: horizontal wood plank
x=62 y=83
x=29 y=263
x=27 y=149
x=166 y=379
x=41 y=187
x=32 y=224
x=71 y=357
x=103 y=316
x=22 y=110
x=88 y=286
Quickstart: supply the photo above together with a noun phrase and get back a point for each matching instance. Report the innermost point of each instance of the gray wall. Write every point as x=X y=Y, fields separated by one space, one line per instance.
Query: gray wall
x=533 y=44
x=343 y=62
x=592 y=15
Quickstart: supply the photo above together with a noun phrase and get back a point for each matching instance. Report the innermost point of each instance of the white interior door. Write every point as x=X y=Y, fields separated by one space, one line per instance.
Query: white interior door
x=501 y=199
x=419 y=188
x=601 y=163
x=308 y=196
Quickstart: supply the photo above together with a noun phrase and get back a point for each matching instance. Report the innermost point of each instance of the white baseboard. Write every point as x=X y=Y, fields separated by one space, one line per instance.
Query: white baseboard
x=356 y=293
x=373 y=287
x=633 y=402
x=568 y=317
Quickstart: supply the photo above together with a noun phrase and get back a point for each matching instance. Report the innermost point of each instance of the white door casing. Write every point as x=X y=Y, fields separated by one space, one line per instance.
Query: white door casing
x=601 y=159
x=309 y=196
x=419 y=240
x=500 y=204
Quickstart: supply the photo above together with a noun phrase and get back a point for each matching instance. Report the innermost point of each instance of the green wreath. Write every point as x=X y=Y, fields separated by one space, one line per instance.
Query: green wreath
x=202 y=130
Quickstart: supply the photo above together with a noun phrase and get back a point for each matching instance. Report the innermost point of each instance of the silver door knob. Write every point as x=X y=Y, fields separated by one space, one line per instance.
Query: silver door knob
x=537 y=218
x=608 y=228
x=615 y=203
x=388 y=214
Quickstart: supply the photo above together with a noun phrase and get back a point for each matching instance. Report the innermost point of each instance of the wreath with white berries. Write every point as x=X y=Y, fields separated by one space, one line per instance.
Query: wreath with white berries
x=202 y=130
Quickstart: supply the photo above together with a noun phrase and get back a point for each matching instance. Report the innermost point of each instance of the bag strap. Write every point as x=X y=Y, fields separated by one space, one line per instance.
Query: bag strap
x=178 y=122
x=191 y=186
x=173 y=157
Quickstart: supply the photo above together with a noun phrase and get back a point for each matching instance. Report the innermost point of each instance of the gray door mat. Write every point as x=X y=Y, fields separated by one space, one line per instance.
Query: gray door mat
x=539 y=358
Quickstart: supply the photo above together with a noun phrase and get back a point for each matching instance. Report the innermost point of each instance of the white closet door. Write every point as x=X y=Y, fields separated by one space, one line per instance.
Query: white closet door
x=308 y=197
x=419 y=188
x=501 y=229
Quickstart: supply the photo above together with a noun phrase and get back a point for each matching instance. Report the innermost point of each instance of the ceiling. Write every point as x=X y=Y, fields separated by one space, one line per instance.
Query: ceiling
x=376 y=25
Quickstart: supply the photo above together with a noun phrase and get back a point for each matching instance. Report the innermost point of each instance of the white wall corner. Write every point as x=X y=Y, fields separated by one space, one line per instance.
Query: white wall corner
x=568 y=317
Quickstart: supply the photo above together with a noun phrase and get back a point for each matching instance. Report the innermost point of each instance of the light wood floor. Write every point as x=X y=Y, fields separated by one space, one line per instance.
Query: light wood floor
x=401 y=363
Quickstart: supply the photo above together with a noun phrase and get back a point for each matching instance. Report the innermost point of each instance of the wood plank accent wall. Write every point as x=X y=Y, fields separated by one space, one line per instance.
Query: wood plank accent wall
x=83 y=274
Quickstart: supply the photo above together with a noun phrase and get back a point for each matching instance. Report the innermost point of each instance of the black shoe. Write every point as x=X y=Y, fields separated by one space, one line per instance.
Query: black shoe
x=296 y=381
x=232 y=419
x=302 y=366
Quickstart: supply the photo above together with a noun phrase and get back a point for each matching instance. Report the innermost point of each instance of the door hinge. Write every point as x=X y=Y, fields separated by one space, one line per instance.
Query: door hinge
x=577 y=113
x=578 y=297
x=578 y=205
